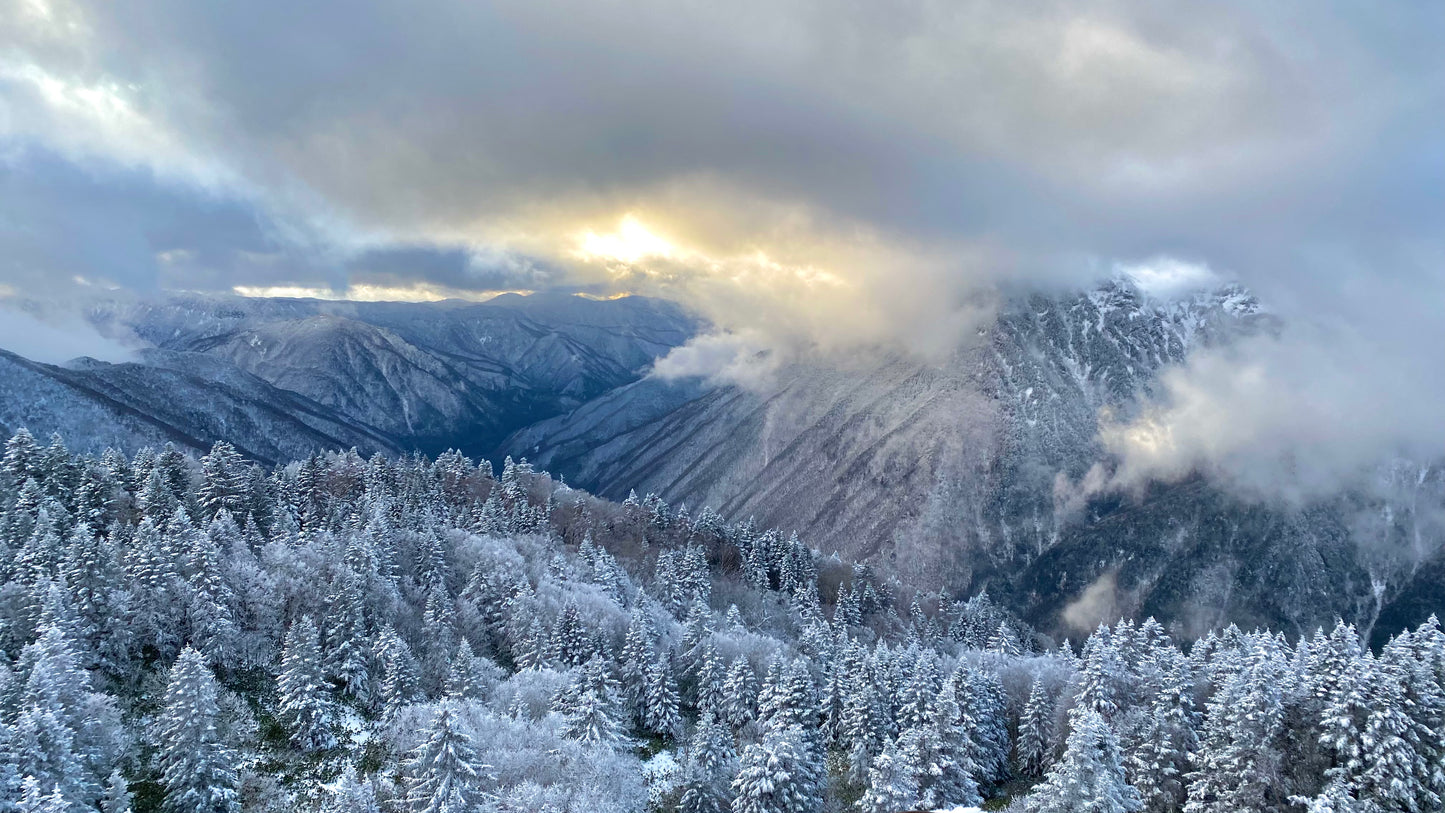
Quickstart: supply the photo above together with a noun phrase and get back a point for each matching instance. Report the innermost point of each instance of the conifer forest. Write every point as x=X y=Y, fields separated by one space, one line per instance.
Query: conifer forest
x=349 y=635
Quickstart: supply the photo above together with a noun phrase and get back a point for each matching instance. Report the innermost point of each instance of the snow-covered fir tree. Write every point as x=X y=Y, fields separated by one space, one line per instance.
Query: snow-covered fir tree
x=306 y=708
x=444 y=773
x=708 y=769
x=197 y=769
x=1089 y=777
x=1036 y=731
x=777 y=775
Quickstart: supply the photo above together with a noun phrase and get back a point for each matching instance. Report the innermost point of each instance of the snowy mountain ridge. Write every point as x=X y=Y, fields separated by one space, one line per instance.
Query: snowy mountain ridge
x=948 y=474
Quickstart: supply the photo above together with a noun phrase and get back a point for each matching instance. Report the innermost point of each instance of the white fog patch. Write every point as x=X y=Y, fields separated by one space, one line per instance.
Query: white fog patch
x=743 y=358
x=1070 y=497
x=1166 y=277
x=1098 y=604
x=1296 y=416
x=56 y=339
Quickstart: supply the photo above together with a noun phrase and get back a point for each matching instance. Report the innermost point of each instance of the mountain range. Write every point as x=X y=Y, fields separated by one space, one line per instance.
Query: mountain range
x=946 y=471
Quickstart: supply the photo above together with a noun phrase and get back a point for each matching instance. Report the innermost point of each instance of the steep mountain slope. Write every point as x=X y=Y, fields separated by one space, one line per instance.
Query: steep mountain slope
x=429 y=376
x=951 y=474
x=280 y=378
x=188 y=401
x=894 y=439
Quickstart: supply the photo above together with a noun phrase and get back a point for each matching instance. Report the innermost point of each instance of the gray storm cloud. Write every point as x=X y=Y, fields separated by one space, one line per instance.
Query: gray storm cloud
x=818 y=174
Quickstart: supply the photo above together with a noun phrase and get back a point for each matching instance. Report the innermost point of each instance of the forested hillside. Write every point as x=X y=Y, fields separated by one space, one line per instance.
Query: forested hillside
x=342 y=634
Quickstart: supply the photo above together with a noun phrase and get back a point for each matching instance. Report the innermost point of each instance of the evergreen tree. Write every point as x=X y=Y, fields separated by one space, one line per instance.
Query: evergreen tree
x=1238 y=762
x=117 y=795
x=711 y=694
x=589 y=706
x=196 y=768
x=571 y=644
x=1158 y=763
x=531 y=651
x=1036 y=731
x=208 y=599
x=777 y=775
x=34 y=800
x=740 y=694
x=398 y=673
x=67 y=734
x=346 y=660
x=865 y=727
x=696 y=630
x=944 y=755
x=306 y=708
x=660 y=702
x=43 y=749
x=463 y=681
x=918 y=693
x=984 y=714
x=444 y=771
x=223 y=481
x=636 y=659
x=1089 y=778
x=353 y=794
x=709 y=768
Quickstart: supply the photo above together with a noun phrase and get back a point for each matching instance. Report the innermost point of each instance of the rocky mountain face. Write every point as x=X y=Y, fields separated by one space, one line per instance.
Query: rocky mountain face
x=949 y=474
x=957 y=474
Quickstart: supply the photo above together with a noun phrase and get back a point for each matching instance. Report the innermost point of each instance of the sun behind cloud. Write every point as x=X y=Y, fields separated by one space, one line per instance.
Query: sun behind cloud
x=630 y=243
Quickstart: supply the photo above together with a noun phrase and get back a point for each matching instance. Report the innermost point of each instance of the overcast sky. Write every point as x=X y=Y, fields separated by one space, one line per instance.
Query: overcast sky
x=834 y=170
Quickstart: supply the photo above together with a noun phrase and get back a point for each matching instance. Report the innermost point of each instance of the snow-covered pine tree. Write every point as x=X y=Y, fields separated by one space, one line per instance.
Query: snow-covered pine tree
x=1159 y=761
x=661 y=713
x=709 y=768
x=697 y=629
x=571 y=644
x=1089 y=778
x=985 y=716
x=67 y=734
x=636 y=658
x=1036 y=731
x=197 y=769
x=945 y=754
x=1238 y=763
x=306 y=708
x=444 y=773
x=740 y=694
x=1101 y=667
x=463 y=682
x=42 y=748
x=347 y=657
x=589 y=706
x=777 y=775
x=530 y=650
x=352 y=794
x=208 y=599
x=892 y=781
x=223 y=481
x=711 y=677
x=865 y=729
x=34 y=799
x=1394 y=772
x=919 y=688
x=117 y=796
x=398 y=685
